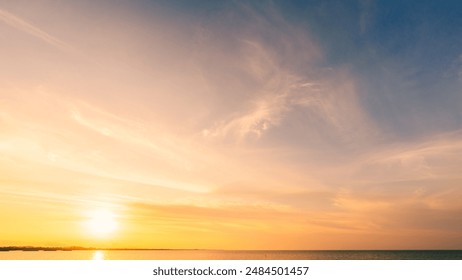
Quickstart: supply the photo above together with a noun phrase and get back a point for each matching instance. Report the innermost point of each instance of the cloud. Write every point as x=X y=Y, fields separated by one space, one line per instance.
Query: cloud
x=430 y=159
x=266 y=113
x=72 y=135
x=238 y=122
x=24 y=26
x=278 y=93
x=366 y=17
x=402 y=208
x=194 y=213
x=404 y=190
x=328 y=109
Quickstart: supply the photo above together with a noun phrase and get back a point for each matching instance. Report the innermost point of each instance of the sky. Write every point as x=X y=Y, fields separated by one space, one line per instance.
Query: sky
x=231 y=124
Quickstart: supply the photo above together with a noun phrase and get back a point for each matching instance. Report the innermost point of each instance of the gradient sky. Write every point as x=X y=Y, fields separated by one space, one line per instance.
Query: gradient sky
x=232 y=124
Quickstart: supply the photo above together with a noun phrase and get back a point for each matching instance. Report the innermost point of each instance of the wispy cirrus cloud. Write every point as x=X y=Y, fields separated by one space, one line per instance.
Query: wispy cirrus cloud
x=27 y=27
x=330 y=107
x=326 y=99
x=420 y=159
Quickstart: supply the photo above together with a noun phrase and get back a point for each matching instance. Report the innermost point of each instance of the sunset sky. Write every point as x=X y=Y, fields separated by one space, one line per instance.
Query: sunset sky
x=231 y=124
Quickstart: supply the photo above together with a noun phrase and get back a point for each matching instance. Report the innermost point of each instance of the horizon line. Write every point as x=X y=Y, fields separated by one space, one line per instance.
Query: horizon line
x=82 y=248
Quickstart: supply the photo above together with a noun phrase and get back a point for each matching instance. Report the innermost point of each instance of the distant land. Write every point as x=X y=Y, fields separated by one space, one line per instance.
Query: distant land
x=69 y=248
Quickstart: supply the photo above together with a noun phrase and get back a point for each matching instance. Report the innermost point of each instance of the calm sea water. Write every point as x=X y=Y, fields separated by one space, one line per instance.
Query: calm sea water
x=230 y=255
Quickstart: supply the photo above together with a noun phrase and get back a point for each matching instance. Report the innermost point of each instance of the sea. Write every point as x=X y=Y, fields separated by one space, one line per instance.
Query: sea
x=231 y=255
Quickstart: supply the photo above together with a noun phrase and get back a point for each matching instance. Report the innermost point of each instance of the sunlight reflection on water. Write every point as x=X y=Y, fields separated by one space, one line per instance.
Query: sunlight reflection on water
x=98 y=256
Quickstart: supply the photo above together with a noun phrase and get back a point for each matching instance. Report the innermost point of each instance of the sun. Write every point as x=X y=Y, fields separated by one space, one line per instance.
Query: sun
x=101 y=222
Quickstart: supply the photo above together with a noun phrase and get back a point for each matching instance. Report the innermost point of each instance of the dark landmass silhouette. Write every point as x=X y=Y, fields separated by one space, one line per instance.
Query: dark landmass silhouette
x=69 y=248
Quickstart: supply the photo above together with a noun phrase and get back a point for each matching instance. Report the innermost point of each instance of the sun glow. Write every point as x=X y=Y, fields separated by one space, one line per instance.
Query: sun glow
x=101 y=223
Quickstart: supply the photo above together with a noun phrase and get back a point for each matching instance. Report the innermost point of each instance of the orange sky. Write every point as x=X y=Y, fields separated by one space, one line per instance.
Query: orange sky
x=228 y=129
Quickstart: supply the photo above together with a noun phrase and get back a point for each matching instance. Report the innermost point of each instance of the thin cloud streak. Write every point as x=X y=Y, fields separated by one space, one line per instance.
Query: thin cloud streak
x=24 y=26
x=430 y=159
